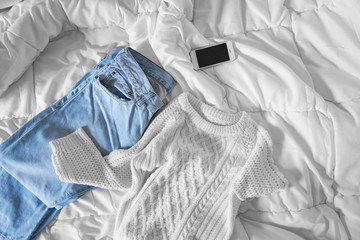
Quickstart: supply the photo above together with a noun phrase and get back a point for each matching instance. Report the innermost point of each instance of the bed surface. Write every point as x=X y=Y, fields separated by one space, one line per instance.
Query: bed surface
x=297 y=73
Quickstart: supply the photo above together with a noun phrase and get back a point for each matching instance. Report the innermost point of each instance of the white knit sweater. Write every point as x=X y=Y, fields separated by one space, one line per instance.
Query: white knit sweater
x=185 y=178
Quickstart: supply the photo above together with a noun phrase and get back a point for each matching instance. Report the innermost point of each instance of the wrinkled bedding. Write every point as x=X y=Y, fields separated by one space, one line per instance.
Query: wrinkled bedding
x=297 y=73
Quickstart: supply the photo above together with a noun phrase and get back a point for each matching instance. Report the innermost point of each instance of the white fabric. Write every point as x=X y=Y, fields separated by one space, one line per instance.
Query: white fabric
x=8 y=3
x=189 y=188
x=296 y=73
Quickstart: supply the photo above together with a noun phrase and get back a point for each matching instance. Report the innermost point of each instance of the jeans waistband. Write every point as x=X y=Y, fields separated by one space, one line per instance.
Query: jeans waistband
x=136 y=68
x=139 y=71
x=147 y=66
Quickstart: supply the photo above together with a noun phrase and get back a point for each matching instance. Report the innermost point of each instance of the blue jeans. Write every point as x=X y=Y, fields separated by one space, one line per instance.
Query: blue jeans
x=114 y=102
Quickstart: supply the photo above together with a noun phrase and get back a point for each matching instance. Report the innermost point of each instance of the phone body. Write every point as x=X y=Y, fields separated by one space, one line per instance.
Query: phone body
x=212 y=55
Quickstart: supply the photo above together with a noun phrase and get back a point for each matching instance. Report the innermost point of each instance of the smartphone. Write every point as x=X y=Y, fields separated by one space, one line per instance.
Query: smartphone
x=212 y=55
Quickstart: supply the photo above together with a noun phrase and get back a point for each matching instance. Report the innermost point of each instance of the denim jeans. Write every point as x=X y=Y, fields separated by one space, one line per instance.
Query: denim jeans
x=114 y=102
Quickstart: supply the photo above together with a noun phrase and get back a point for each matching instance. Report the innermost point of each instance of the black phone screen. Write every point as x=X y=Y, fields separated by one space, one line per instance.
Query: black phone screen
x=212 y=55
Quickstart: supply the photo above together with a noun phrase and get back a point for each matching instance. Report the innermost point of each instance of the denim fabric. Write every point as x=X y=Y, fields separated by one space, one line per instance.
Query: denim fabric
x=114 y=102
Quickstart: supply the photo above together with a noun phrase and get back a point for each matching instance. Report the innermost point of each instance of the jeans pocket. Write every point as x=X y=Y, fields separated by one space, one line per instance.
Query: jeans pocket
x=115 y=85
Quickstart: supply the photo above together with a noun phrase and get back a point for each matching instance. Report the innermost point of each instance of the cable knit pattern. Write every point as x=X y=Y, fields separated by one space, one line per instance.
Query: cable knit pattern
x=202 y=163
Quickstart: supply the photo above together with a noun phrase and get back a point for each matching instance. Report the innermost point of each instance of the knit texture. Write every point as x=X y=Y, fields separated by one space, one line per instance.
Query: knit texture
x=202 y=163
x=76 y=159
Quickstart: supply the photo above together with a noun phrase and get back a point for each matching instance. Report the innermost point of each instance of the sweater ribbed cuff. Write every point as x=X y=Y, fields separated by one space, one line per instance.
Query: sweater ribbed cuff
x=65 y=147
x=70 y=142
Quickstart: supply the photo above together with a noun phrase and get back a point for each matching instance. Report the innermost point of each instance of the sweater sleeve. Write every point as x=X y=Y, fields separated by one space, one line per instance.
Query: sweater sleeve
x=259 y=176
x=77 y=160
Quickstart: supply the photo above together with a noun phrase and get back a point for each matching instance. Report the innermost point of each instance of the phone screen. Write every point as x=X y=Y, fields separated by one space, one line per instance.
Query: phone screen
x=212 y=55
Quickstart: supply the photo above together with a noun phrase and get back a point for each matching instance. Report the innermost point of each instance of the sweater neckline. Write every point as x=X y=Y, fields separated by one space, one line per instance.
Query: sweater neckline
x=211 y=119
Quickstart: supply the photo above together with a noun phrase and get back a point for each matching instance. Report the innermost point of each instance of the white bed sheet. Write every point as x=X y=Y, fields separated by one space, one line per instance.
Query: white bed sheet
x=297 y=73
